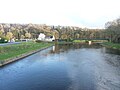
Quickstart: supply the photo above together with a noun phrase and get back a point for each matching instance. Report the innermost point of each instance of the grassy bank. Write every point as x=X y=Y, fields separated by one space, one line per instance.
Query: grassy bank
x=79 y=41
x=11 y=51
x=71 y=42
x=111 y=45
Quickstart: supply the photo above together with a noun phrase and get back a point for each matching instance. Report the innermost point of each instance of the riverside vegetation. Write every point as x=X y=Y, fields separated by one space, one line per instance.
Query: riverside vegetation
x=31 y=31
x=111 y=45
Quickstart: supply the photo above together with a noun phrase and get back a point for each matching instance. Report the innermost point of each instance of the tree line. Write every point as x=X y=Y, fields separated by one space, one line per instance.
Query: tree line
x=32 y=31
x=21 y=31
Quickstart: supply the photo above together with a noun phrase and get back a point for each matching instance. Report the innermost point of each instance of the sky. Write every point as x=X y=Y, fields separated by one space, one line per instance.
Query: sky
x=81 y=13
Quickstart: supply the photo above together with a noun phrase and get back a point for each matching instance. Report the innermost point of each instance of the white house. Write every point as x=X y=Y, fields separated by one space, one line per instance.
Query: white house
x=42 y=37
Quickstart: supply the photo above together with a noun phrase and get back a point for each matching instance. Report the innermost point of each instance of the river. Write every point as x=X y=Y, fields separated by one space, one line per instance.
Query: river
x=64 y=67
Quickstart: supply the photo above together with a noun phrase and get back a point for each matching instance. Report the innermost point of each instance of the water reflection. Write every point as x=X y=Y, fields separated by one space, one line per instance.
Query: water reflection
x=65 y=67
x=112 y=51
x=67 y=47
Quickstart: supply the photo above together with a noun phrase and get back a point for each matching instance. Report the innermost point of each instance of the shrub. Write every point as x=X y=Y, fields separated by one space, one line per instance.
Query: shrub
x=3 y=40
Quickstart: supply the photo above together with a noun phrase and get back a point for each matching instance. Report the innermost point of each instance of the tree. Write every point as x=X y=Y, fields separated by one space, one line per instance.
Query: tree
x=77 y=35
x=27 y=35
x=22 y=36
x=56 y=34
x=9 y=35
x=1 y=33
x=113 y=30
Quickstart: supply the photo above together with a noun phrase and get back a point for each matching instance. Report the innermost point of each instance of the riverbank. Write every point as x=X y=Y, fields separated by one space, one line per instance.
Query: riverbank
x=13 y=53
x=111 y=45
x=82 y=41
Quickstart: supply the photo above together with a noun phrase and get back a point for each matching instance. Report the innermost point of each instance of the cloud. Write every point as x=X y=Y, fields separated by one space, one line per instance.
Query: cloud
x=89 y=13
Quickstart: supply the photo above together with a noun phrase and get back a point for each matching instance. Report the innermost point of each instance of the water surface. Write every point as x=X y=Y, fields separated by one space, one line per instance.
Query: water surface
x=64 y=67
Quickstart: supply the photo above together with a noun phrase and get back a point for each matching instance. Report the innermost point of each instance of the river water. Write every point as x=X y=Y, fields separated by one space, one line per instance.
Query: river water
x=64 y=67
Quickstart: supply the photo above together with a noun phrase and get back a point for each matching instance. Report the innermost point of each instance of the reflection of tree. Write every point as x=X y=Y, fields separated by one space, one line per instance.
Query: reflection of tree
x=66 y=47
x=112 y=58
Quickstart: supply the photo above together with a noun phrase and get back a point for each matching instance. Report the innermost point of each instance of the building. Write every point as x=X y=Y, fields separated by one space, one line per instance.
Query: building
x=43 y=37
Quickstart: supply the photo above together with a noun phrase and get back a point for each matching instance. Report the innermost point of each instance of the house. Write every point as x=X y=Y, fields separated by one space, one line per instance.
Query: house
x=43 y=37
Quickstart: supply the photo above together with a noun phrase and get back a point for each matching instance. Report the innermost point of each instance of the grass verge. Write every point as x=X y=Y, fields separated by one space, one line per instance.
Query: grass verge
x=16 y=50
x=79 y=41
x=111 y=45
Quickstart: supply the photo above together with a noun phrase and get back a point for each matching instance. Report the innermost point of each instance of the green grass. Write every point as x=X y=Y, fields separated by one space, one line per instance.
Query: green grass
x=12 y=51
x=112 y=45
x=63 y=42
x=79 y=41
x=99 y=40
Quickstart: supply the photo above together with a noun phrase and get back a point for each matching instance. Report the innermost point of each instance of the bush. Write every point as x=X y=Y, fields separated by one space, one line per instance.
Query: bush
x=3 y=40
x=38 y=41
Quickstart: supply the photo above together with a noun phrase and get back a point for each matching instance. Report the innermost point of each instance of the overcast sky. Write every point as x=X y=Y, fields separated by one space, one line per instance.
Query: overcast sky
x=82 y=13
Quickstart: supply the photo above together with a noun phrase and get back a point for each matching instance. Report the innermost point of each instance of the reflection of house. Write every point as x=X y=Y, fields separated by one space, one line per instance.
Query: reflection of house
x=42 y=37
